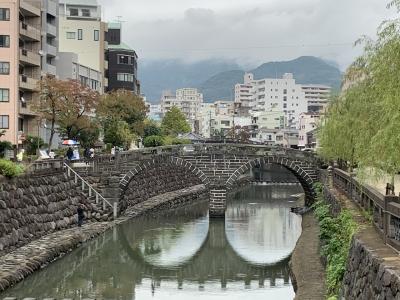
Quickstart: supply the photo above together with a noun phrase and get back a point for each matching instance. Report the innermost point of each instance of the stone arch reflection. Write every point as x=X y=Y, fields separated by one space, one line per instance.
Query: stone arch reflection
x=280 y=229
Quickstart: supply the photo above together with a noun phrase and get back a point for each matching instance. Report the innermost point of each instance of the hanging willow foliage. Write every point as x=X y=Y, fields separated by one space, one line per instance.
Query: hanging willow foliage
x=362 y=125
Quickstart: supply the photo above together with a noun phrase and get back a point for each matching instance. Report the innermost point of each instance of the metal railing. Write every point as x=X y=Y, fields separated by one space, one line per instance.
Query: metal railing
x=91 y=191
x=384 y=209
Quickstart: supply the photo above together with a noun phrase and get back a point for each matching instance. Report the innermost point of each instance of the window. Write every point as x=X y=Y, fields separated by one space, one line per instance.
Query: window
x=285 y=91
x=4 y=14
x=4 y=122
x=96 y=35
x=123 y=59
x=4 y=68
x=71 y=35
x=73 y=12
x=125 y=77
x=4 y=95
x=80 y=34
x=4 y=41
x=85 y=12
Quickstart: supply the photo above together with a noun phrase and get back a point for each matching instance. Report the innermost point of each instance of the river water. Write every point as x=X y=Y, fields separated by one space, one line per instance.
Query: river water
x=183 y=254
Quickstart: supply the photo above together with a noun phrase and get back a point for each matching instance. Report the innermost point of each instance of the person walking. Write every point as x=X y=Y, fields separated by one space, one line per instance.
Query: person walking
x=81 y=215
x=70 y=153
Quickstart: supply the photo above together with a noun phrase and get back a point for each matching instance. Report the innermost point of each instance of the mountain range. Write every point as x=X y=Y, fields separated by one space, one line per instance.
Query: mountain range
x=216 y=79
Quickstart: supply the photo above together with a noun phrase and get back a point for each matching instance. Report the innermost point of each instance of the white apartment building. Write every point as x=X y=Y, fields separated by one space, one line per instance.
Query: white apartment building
x=204 y=120
x=317 y=97
x=287 y=138
x=188 y=100
x=81 y=31
x=273 y=119
x=268 y=94
x=308 y=123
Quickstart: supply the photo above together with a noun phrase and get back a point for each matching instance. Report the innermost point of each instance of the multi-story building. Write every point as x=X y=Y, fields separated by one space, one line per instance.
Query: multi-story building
x=308 y=123
x=204 y=120
x=81 y=31
x=273 y=119
x=317 y=97
x=20 y=71
x=49 y=29
x=282 y=94
x=223 y=107
x=287 y=138
x=188 y=100
x=122 y=62
x=68 y=67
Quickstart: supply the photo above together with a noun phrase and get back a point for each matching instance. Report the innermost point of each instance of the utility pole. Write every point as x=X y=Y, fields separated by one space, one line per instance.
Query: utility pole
x=210 y=125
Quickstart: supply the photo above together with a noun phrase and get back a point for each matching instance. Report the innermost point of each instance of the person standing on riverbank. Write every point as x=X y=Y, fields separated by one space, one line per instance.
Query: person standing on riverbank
x=81 y=215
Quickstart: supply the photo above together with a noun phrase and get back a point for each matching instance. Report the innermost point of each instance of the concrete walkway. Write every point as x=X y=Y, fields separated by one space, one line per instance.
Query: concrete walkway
x=306 y=265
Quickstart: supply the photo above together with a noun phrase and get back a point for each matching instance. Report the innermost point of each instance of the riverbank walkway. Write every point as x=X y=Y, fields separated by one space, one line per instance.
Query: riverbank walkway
x=306 y=263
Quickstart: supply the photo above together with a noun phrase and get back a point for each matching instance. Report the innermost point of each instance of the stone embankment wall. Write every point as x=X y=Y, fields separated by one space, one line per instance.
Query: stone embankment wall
x=373 y=268
x=31 y=207
x=157 y=181
x=371 y=275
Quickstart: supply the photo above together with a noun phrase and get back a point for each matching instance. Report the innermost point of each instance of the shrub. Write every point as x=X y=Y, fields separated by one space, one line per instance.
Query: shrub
x=170 y=140
x=5 y=145
x=153 y=141
x=10 y=169
x=32 y=143
x=336 y=234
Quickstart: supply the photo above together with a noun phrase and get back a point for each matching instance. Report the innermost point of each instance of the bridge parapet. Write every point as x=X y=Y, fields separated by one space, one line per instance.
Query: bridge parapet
x=218 y=166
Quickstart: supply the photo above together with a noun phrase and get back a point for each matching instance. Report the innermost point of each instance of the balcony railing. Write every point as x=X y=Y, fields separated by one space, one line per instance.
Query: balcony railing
x=29 y=31
x=29 y=57
x=28 y=83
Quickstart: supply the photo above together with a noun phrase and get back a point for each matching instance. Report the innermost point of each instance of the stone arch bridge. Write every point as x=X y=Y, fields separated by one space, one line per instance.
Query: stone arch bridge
x=134 y=176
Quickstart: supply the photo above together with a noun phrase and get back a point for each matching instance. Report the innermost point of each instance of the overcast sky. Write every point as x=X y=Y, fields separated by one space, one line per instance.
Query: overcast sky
x=247 y=31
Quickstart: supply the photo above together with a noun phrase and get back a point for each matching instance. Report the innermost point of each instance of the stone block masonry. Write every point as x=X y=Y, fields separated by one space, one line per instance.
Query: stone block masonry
x=20 y=263
x=31 y=207
x=373 y=271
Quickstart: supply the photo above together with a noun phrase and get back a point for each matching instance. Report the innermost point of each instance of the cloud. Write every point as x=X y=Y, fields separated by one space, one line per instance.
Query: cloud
x=248 y=31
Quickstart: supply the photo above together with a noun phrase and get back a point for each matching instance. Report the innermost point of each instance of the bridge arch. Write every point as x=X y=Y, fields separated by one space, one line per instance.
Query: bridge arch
x=304 y=172
x=158 y=175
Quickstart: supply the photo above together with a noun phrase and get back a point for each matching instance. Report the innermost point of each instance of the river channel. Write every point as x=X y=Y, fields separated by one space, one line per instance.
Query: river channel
x=183 y=254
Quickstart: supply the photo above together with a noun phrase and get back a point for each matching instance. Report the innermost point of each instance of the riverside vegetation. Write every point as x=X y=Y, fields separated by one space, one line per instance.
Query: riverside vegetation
x=336 y=234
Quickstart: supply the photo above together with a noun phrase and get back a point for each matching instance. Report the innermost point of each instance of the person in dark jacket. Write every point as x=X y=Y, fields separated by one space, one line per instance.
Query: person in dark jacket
x=70 y=153
x=81 y=215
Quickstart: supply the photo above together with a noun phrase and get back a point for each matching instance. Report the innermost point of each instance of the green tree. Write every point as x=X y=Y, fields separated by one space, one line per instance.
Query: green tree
x=151 y=128
x=123 y=105
x=153 y=141
x=174 y=122
x=118 y=133
x=362 y=124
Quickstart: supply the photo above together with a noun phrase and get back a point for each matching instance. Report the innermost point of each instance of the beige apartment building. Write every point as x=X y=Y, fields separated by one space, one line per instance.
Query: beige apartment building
x=20 y=67
x=81 y=31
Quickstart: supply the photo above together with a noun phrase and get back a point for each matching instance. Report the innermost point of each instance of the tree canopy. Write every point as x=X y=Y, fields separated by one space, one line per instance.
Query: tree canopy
x=362 y=124
x=174 y=122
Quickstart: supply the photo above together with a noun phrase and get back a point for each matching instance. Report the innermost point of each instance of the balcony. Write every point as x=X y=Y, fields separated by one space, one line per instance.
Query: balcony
x=106 y=65
x=27 y=57
x=51 y=69
x=52 y=7
x=51 y=50
x=25 y=110
x=28 y=32
x=51 y=29
x=28 y=9
x=28 y=83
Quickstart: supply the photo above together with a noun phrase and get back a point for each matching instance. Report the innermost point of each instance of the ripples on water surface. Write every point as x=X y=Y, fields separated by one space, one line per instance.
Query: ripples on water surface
x=183 y=255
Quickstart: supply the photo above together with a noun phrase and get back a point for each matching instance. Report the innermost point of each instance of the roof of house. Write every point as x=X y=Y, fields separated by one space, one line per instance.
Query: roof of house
x=121 y=46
